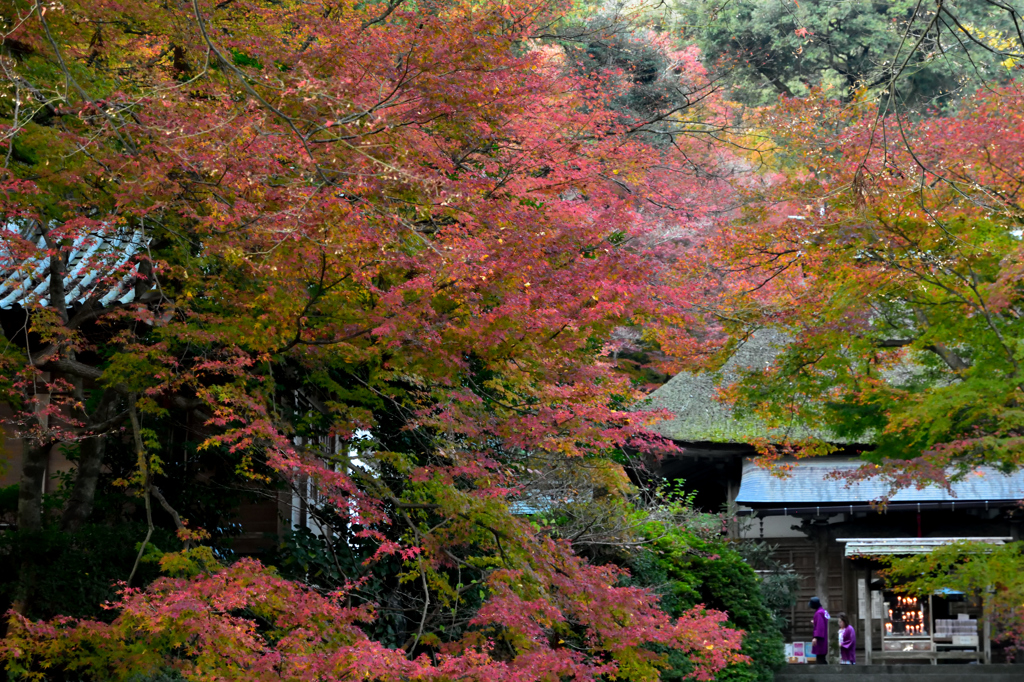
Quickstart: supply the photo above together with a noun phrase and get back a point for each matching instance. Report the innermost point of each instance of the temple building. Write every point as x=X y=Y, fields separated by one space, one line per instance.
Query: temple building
x=825 y=527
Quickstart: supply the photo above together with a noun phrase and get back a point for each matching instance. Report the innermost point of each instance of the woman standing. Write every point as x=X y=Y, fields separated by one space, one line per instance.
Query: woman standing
x=847 y=641
x=819 y=644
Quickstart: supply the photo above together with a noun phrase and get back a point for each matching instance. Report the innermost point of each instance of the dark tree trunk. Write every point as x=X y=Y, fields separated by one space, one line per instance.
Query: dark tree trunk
x=37 y=454
x=33 y=469
x=30 y=516
x=30 y=488
x=83 y=494
x=90 y=462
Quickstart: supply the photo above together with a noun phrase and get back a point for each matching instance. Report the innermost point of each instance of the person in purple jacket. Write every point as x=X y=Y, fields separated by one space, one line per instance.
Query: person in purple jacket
x=847 y=641
x=819 y=645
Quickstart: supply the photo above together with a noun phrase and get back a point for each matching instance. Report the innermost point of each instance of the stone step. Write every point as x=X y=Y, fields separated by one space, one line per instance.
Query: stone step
x=901 y=673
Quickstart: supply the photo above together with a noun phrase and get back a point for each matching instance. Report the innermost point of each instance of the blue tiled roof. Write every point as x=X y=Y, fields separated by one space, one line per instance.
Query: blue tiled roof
x=522 y=508
x=536 y=503
x=94 y=268
x=808 y=484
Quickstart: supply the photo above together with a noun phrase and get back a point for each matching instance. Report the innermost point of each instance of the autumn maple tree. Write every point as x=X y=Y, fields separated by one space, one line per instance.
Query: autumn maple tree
x=989 y=573
x=885 y=252
x=375 y=246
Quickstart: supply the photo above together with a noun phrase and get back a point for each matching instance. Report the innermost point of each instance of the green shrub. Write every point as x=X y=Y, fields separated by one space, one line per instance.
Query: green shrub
x=77 y=573
x=686 y=570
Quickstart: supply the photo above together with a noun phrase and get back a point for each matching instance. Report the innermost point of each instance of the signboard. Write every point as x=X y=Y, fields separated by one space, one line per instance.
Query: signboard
x=876 y=604
x=862 y=597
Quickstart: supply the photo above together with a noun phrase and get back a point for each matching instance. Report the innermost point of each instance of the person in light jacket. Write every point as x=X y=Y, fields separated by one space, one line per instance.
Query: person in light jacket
x=819 y=644
x=847 y=641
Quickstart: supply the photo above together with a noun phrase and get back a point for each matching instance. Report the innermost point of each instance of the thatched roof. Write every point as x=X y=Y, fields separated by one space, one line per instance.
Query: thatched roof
x=702 y=418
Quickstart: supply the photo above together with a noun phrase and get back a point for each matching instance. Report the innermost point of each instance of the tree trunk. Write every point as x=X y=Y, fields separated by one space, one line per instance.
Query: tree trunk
x=37 y=454
x=30 y=488
x=30 y=517
x=83 y=494
x=90 y=462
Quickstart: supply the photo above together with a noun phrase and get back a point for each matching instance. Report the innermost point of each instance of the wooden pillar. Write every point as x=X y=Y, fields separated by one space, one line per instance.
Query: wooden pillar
x=819 y=537
x=818 y=531
x=986 y=629
x=931 y=630
x=848 y=585
x=792 y=607
x=733 y=525
x=868 y=624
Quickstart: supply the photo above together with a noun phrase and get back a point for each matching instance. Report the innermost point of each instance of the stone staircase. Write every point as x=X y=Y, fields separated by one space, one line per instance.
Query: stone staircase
x=901 y=673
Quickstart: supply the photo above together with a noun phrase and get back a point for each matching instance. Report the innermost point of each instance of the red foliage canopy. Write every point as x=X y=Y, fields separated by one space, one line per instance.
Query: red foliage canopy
x=345 y=210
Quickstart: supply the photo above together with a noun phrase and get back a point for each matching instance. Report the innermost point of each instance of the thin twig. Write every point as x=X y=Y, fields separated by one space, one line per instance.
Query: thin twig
x=178 y=523
x=144 y=463
x=426 y=606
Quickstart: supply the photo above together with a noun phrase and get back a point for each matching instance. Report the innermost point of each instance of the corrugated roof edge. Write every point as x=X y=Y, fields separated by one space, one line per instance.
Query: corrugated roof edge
x=808 y=483
x=856 y=547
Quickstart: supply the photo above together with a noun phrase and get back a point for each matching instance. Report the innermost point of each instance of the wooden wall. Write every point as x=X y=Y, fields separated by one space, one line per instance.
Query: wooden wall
x=799 y=553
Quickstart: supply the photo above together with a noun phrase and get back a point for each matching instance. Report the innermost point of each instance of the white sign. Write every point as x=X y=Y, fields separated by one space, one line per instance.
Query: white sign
x=876 y=604
x=862 y=597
